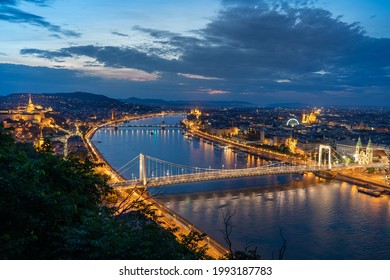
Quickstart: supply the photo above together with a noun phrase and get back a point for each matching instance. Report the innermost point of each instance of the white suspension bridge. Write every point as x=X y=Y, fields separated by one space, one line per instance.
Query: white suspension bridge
x=156 y=172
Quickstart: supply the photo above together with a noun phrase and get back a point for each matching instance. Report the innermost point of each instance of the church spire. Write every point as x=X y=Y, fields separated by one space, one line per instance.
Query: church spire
x=358 y=147
x=369 y=145
x=359 y=143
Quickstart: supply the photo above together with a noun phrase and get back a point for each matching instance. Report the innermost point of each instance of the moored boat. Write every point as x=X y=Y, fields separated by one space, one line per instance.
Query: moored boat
x=369 y=191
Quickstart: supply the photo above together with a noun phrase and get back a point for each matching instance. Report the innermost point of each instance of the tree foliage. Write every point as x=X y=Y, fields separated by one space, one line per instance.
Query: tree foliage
x=53 y=208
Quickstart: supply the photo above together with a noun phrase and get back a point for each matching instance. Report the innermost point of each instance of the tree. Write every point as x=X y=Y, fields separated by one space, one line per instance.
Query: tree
x=250 y=251
x=55 y=208
x=370 y=170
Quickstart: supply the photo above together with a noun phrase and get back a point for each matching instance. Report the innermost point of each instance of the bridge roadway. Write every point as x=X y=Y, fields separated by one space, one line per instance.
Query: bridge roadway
x=234 y=173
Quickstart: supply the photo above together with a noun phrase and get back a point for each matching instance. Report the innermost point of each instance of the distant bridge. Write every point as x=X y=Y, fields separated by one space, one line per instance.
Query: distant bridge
x=151 y=125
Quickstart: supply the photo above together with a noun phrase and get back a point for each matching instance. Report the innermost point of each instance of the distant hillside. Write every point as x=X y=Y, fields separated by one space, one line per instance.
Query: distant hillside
x=57 y=98
x=185 y=103
x=80 y=105
x=288 y=105
x=84 y=96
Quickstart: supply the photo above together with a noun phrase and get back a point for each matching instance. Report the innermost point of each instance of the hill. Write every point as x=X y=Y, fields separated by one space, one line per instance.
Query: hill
x=186 y=103
x=81 y=105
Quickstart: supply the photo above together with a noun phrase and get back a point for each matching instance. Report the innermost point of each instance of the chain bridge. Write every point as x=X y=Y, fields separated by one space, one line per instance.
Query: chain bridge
x=154 y=172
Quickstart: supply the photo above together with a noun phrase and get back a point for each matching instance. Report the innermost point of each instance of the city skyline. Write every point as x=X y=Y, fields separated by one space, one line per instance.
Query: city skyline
x=258 y=51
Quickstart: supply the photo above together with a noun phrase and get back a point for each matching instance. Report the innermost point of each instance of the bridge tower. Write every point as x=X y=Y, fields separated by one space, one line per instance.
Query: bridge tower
x=142 y=169
x=163 y=125
x=326 y=148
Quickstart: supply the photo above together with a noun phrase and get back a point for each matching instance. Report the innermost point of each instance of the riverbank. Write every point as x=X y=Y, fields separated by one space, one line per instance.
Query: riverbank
x=266 y=154
x=357 y=178
x=381 y=187
x=167 y=218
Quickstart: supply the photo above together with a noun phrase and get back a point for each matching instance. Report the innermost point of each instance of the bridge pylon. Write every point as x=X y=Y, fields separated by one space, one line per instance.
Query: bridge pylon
x=142 y=169
x=329 y=149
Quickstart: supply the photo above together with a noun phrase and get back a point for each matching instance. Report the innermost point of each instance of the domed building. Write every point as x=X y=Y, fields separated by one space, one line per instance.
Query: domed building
x=30 y=106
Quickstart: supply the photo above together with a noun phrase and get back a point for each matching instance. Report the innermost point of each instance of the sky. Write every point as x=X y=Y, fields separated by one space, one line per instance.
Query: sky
x=317 y=52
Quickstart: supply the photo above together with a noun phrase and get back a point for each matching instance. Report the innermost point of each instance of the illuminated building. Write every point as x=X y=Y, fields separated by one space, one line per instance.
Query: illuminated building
x=196 y=112
x=30 y=106
x=310 y=118
x=364 y=156
x=231 y=131
x=31 y=113
x=291 y=143
x=40 y=140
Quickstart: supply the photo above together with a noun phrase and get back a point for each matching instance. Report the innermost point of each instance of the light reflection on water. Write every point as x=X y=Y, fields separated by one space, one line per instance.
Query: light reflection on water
x=320 y=219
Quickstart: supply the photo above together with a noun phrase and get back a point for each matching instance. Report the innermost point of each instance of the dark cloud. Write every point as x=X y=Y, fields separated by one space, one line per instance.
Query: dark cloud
x=110 y=56
x=159 y=34
x=170 y=42
x=10 y=13
x=42 y=3
x=119 y=34
x=50 y=55
x=257 y=48
x=269 y=4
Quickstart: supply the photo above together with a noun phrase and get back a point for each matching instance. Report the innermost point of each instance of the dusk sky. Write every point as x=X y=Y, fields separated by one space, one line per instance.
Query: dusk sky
x=326 y=52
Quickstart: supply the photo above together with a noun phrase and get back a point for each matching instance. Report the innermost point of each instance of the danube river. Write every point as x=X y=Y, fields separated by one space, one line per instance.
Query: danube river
x=320 y=219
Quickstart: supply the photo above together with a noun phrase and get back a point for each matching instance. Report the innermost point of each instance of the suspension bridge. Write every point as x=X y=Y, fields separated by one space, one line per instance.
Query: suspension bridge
x=154 y=172
x=151 y=125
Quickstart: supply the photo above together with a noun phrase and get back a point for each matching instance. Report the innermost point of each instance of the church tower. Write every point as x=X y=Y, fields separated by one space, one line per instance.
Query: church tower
x=358 y=146
x=30 y=106
x=40 y=140
x=370 y=151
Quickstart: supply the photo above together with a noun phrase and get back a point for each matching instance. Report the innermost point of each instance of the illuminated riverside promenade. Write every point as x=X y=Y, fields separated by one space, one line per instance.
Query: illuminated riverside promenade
x=165 y=216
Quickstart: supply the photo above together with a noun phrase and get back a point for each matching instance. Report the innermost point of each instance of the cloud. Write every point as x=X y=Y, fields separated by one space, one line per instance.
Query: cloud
x=9 y=13
x=56 y=56
x=249 y=47
x=216 y=91
x=119 y=73
x=42 y=3
x=119 y=34
x=200 y=77
x=110 y=56
x=321 y=72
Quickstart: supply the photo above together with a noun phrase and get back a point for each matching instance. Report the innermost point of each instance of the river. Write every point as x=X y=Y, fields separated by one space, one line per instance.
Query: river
x=320 y=219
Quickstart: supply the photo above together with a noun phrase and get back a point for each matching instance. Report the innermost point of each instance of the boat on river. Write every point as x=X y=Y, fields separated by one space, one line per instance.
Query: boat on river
x=369 y=190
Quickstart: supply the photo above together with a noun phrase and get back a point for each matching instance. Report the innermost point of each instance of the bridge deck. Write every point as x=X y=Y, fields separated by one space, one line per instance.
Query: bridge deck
x=232 y=173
